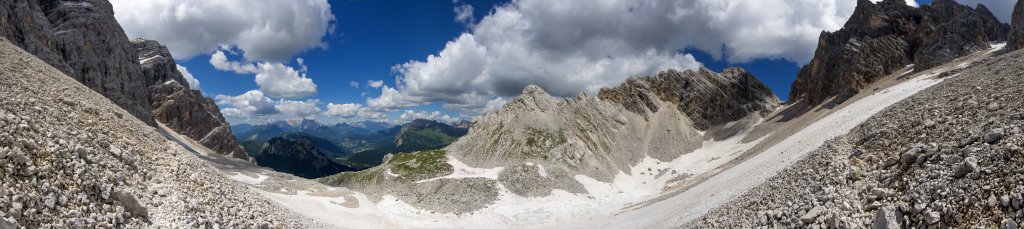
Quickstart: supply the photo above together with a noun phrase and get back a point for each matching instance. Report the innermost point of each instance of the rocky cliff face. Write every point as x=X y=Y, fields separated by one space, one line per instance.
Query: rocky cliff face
x=181 y=108
x=83 y=40
x=1016 y=37
x=301 y=157
x=708 y=98
x=72 y=159
x=880 y=38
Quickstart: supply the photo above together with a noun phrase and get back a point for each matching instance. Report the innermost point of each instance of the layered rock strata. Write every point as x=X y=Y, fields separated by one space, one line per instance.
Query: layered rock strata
x=180 y=107
x=83 y=40
x=881 y=38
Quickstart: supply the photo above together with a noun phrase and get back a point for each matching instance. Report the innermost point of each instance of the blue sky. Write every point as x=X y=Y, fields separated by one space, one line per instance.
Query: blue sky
x=458 y=59
x=370 y=37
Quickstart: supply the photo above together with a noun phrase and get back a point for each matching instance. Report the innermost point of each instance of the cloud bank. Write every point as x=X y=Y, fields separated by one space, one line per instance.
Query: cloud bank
x=270 y=30
x=574 y=46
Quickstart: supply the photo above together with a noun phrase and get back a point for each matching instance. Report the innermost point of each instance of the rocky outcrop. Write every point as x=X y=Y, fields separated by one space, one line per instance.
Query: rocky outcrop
x=1016 y=38
x=181 y=108
x=881 y=38
x=301 y=157
x=83 y=40
x=708 y=98
x=949 y=156
x=158 y=65
x=72 y=159
x=537 y=143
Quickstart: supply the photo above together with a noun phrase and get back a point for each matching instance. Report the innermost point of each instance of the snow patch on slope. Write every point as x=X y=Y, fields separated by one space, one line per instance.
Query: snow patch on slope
x=723 y=187
x=465 y=171
x=248 y=179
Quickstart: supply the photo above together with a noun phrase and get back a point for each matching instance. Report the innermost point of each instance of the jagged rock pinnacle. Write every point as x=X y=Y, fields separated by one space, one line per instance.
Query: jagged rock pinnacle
x=533 y=97
x=1016 y=40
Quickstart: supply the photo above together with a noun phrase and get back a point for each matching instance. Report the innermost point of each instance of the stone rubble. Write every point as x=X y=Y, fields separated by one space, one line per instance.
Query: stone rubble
x=964 y=170
x=71 y=158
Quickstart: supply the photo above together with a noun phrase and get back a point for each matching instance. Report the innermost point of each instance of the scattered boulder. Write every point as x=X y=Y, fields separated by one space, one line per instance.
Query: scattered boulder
x=932 y=217
x=812 y=215
x=5 y=224
x=968 y=141
x=994 y=136
x=887 y=218
x=969 y=165
x=994 y=106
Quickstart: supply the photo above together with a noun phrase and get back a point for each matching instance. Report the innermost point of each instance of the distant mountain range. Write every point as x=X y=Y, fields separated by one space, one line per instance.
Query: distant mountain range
x=348 y=146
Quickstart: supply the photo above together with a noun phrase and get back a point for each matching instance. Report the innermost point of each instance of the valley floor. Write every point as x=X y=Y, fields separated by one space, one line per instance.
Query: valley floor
x=708 y=178
x=646 y=197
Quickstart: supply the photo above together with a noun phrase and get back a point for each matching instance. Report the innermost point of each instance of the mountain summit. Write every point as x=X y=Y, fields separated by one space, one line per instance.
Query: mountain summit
x=83 y=40
x=707 y=97
x=880 y=38
x=537 y=143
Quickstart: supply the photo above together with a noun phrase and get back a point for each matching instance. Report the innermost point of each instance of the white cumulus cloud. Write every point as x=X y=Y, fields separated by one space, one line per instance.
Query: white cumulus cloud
x=354 y=112
x=220 y=61
x=375 y=83
x=255 y=107
x=390 y=99
x=575 y=46
x=192 y=81
x=247 y=104
x=274 y=79
x=410 y=115
x=281 y=81
x=298 y=109
x=464 y=14
x=270 y=30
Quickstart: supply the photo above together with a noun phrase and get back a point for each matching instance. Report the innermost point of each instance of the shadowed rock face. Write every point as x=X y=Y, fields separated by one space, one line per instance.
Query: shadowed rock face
x=708 y=98
x=181 y=108
x=1016 y=40
x=83 y=40
x=881 y=38
x=300 y=157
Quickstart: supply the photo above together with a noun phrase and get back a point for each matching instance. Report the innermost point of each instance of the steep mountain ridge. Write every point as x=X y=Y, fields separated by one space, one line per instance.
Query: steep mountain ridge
x=880 y=38
x=708 y=98
x=1016 y=37
x=180 y=107
x=423 y=134
x=300 y=155
x=537 y=143
x=83 y=40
